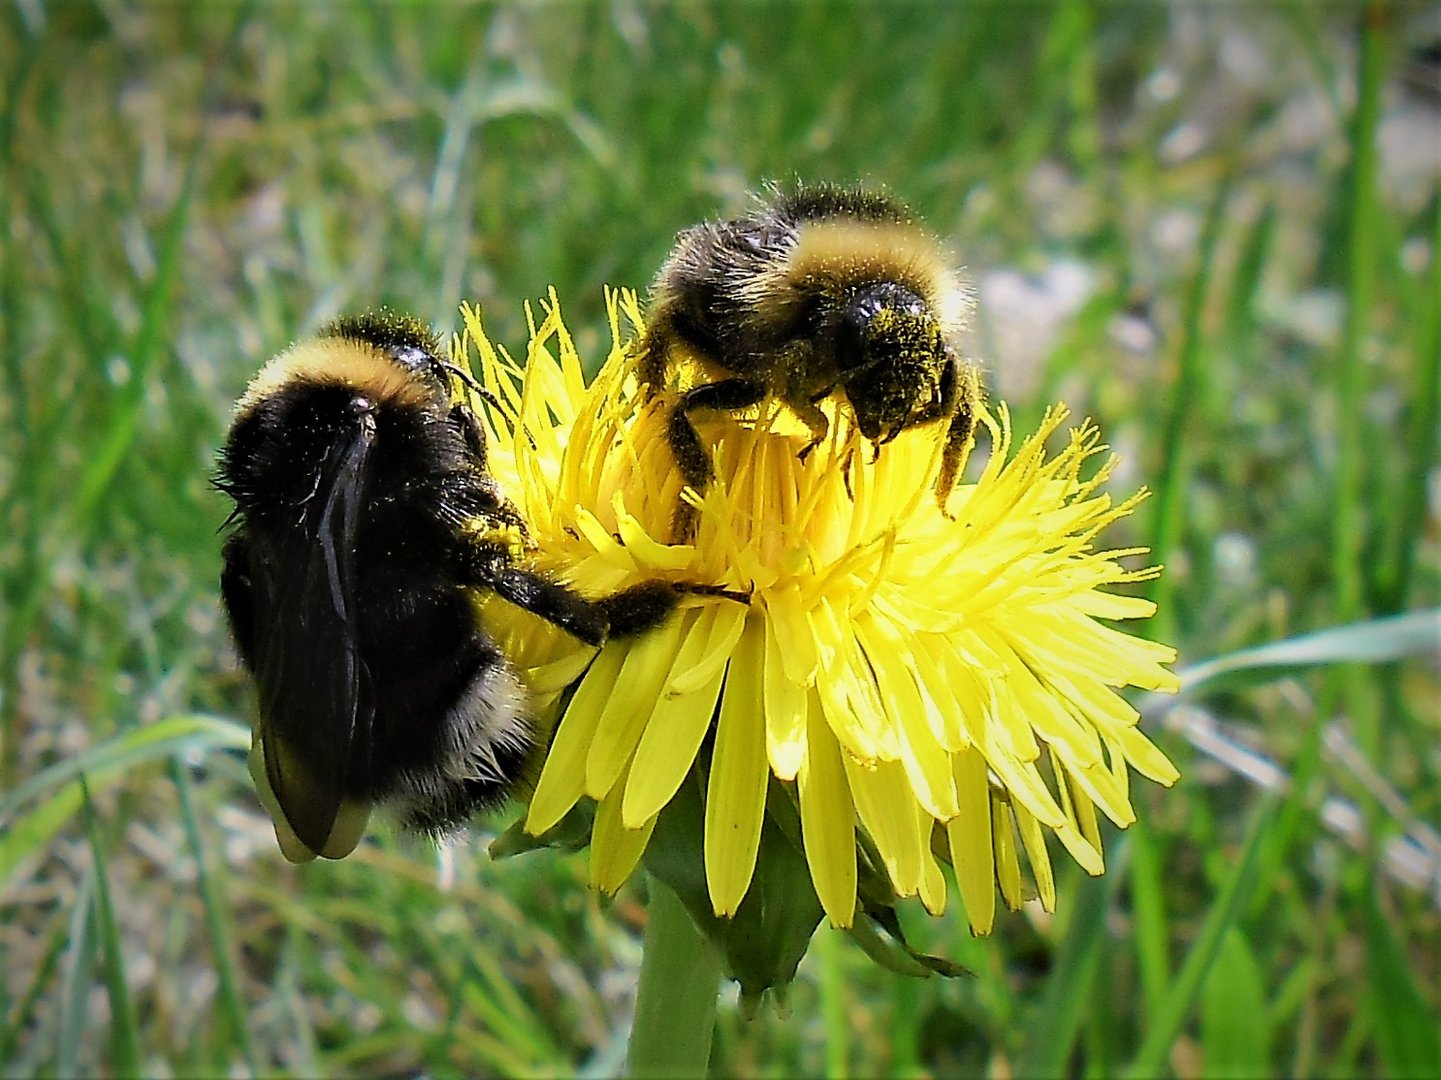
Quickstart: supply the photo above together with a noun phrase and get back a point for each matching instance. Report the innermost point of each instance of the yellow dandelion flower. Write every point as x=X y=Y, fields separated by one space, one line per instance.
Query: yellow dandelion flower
x=920 y=682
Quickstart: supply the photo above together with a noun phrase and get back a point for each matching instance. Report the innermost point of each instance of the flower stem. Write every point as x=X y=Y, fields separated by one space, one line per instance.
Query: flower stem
x=676 y=1003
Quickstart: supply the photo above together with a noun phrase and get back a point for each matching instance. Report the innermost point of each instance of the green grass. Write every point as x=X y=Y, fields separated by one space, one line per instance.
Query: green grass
x=183 y=196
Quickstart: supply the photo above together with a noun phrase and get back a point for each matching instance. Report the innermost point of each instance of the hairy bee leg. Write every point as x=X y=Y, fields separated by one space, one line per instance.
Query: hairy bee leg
x=815 y=421
x=957 y=380
x=958 y=434
x=630 y=611
x=476 y=494
x=556 y=604
x=651 y=364
x=690 y=455
x=643 y=607
x=639 y=608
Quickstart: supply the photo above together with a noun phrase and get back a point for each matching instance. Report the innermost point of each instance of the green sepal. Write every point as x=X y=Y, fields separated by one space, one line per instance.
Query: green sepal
x=570 y=833
x=876 y=899
x=762 y=945
x=892 y=951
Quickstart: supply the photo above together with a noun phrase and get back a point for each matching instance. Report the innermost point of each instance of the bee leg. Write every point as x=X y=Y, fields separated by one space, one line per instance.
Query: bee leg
x=630 y=611
x=463 y=417
x=477 y=494
x=690 y=456
x=639 y=608
x=652 y=362
x=644 y=606
x=668 y=325
x=238 y=595
x=815 y=420
x=961 y=386
x=488 y=566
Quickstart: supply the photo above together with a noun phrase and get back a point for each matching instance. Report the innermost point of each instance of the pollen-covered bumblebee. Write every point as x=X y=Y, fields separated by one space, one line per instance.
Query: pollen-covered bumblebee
x=364 y=514
x=820 y=289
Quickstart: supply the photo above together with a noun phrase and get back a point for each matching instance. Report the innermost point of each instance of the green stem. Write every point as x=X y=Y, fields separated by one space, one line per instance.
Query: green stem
x=833 y=1003
x=675 y=1006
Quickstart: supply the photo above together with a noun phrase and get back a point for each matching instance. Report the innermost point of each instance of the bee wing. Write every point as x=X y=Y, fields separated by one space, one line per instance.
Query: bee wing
x=316 y=699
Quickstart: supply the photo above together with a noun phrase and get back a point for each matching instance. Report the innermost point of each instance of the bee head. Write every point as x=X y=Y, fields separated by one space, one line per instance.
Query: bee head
x=311 y=416
x=891 y=354
x=405 y=340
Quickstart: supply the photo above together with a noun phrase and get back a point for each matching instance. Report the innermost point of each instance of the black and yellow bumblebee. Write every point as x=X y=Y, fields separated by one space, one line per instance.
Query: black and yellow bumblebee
x=364 y=518
x=820 y=289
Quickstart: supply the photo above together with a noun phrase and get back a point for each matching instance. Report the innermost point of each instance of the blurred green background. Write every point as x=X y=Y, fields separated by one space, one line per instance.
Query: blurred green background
x=1212 y=228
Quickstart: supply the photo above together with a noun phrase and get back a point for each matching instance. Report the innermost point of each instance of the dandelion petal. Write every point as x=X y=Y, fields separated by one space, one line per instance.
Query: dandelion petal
x=736 y=789
x=674 y=730
x=969 y=833
x=828 y=821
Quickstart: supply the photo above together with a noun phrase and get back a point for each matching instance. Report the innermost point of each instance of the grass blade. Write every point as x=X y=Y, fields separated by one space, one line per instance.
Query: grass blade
x=78 y=978
x=1235 y=1019
x=30 y=835
x=124 y=1036
x=212 y=897
x=151 y=742
x=1375 y=641
x=1072 y=977
x=1171 y=1014
x=1406 y=1032
x=1362 y=230
x=1173 y=482
x=22 y=1016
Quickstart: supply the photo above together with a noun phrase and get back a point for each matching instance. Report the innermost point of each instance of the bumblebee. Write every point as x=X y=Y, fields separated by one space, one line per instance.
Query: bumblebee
x=364 y=516
x=819 y=290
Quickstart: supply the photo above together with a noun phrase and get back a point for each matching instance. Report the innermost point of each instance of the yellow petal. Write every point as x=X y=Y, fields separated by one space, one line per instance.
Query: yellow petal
x=1025 y=784
x=674 y=731
x=1045 y=713
x=1081 y=840
x=1008 y=863
x=828 y=821
x=562 y=779
x=1085 y=813
x=648 y=661
x=886 y=808
x=1034 y=842
x=792 y=630
x=615 y=851
x=945 y=702
x=784 y=708
x=847 y=690
x=925 y=761
x=646 y=549
x=736 y=789
x=593 y=530
x=1104 y=605
x=969 y=833
x=1100 y=784
x=726 y=625
x=1146 y=758
x=933 y=882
